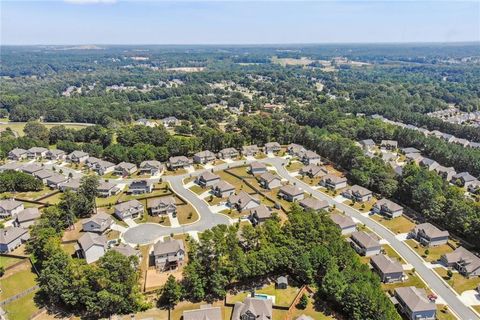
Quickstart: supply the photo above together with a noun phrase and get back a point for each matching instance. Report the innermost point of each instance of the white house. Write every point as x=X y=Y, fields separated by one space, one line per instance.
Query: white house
x=10 y=208
x=91 y=246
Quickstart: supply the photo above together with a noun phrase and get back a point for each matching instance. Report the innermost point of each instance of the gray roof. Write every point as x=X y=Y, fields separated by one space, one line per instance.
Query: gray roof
x=205 y=154
x=126 y=250
x=124 y=206
x=228 y=151
x=242 y=199
x=56 y=179
x=105 y=186
x=102 y=164
x=272 y=145
x=262 y=212
x=78 y=154
x=125 y=166
x=390 y=205
x=18 y=152
x=31 y=168
x=428 y=162
x=151 y=164
x=100 y=218
x=410 y=150
x=89 y=239
x=37 y=150
x=367 y=142
x=470 y=261
x=28 y=214
x=366 y=240
x=179 y=159
x=431 y=231
x=269 y=177
x=72 y=184
x=9 y=234
x=385 y=264
x=257 y=165
x=208 y=176
x=140 y=184
x=223 y=186
x=43 y=174
x=465 y=176
x=162 y=201
x=291 y=190
x=360 y=190
x=342 y=221
x=415 y=299
x=168 y=246
x=260 y=308
x=10 y=204
x=313 y=203
x=313 y=169
x=333 y=178
x=55 y=152
x=11 y=166
x=206 y=312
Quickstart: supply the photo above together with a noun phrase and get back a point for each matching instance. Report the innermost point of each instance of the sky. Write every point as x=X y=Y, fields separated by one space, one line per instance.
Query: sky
x=236 y=22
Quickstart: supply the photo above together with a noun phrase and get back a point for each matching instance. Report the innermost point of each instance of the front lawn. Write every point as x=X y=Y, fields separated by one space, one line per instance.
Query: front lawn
x=294 y=166
x=396 y=225
x=444 y=314
x=430 y=254
x=186 y=213
x=392 y=253
x=458 y=282
x=413 y=280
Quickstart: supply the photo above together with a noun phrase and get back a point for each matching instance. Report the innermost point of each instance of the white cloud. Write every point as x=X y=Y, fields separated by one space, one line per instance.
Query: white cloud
x=90 y=1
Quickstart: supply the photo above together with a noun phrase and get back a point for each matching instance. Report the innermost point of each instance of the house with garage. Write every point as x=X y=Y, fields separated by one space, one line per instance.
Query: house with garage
x=429 y=235
x=389 y=144
x=56 y=154
x=259 y=214
x=311 y=157
x=179 y=162
x=140 y=187
x=206 y=312
x=77 y=156
x=170 y=122
x=31 y=168
x=388 y=269
x=243 y=201
x=474 y=187
x=12 y=237
x=291 y=193
x=357 y=193
x=17 y=154
x=223 y=189
x=151 y=167
x=387 y=208
x=98 y=223
x=446 y=173
x=204 y=157
x=253 y=308
x=448 y=137
x=414 y=157
x=461 y=141
x=10 y=208
x=43 y=175
x=463 y=179
x=314 y=204
x=269 y=180
x=91 y=246
x=127 y=251
x=367 y=144
x=464 y=261
x=55 y=180
x=257 y=168
x=129 y=210
x=272 y=147
x=103 y=167
x=313 y=171
x=91 y=162
x=27 y=217
x=366 y=244
x=168 y=254
x=344 y=223
x=107 y=189
x=409 y=150
x=331 y=181
x=251 y=150
x=37 y=152
x=428 y=164
x=228 y=153
x=162 y=205
x=72 y=185
x=296 y=150
x=125 y=168
x=207 y=179
x=414 y=303
x=15 y=166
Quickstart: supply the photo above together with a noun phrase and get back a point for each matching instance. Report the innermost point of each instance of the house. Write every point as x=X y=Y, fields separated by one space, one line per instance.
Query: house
x=414 y=303
x=127 y=251
x=170 y=122
x=464 y=261
x=389 y=144
x=367 y=144
x=223 y=189
x=10 y=208
x=151 y=167
x=98 y=223
x=17 y=154
x=387 y=208
x=37 y=152
x=250 y=150
x=429 y=235
x=27 y=217
x=91 y=246
x=414 y=157
x=270 y=181
x=204 y=157
x=447 y=137
x=436 y=133
x=272 y=147
x=253 y=308
x=313 y=171
x=125 y=168
x=366 y=244
x=344 y=223
x=12 y=237
x=228 y=153
x=446 y=173
x=162 y=205
x=77 y=156
x=257 y=168
x=291 y=193
x=103 y=167
x=55 y=180
x=140 y=187
x=474 y=145
x=15 y=166
x=168 y=254
x=310 y=157
x=72 y=185
x=206 y=312
x=357 y=193
x=388 y=269
x=281 y=282
x=474 y=187
x=463 y=179
x=91 y=162
x=145 y=122
x=243 y=201
x=462 y=142
x=409 y=150
x=207 y=179
x=428 y=164
x=259 y=214
x=294 y=149
x=31 y=168
x=179 y=162
x=55 y=154
x=314 y=204
x=129 y=210
x=107 y=189
x=43 y=175
x=334 y=182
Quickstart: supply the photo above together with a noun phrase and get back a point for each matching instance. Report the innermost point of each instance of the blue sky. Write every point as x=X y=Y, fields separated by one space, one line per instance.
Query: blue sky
x=235 y=22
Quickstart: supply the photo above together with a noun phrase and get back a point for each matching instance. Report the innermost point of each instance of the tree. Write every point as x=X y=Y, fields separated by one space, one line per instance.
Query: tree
x=36 y=130
x=170 y=294
x=303 y=302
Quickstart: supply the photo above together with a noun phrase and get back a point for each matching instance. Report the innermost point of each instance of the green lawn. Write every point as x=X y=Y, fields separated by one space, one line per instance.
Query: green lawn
x=413 y=280
x=396 y=225
x=18 y=127
x=53 y=199
x=16 y=283
x=392 y=253
x=317 y=313
x=283 y=297
x=102 y=202
x=458 y=282
x=8 y=261
x=434 y=253
x=23 y=308
x=294 y=166
x=444 y=314
x=197 y=189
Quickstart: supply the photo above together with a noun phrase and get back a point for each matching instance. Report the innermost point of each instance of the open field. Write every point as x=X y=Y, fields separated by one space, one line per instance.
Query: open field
x=292 y=61
x=18 y=126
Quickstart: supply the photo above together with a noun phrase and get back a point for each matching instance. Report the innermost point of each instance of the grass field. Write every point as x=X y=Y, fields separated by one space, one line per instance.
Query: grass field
x=443 y=314
x=294 y=166
x=16 y=283
x=392 y=253
x=283 y=297
x=23 y=308
x=434 y=253
x=8 y=261
x=316 y=312
x=396 y=225
x=458 y=282
x=18 y=127
x=413 y=280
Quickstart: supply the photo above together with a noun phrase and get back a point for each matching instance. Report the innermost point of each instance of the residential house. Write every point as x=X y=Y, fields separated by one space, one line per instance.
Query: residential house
x=129 y=210
x=429 y=235
x=151 y=167
x=414 y=303
x=414 y=157
x=107 y=189
x=37 y=152
x=272 y=147
x=43 y=175
x=125 y=168
x=72 y=185
x=463 y=179
x=448 y=137
x=77 y=156
x=162 y=205
x=270 y=181
x=367 y=144
x=474 y=145
x=409 y=150
x=388 y=269
x=243 y=201
x=310 y=157
x=474 y=187
x=15 y=166
x=207 y=179
x=179 y=162
x=428 y=164
x=91 y=246
x=168 y=254
x=291 y=193
x=55 y=180
x=464 y=261
x=387 y=208
x=206 y=312
x=436 y=134
x=295 y=149
x=257 y=168
x=228 y=153
x=313 y=171
x=252 y=150
x=170 y=122
x=127 y=251
x=366 y=244
x=446 y=173
x=314 y=204
x=389 y=144
x=253 y=308
x=17 y=154
x=140 y=187
x=260 y=214
x=344 y=223
x=145 y=122
x=12 y=237
x=357 y=193
x=334 y=182
x=281 y=282
x=98 y=223
x=27 y=217
x=460 y=141
x=204 y=157
x=31 y=168
x=55 y=154
x=223 y=189
x=10 y=208
x=91 y=162
x=103 y=167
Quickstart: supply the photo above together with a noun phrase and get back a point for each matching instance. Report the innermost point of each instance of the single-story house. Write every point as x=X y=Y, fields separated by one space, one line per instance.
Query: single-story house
x=270 y=181
x=17 y=154
x=179 y=162
x=357 y=193
x=223 y=189
x=140 y=187
x=366 y=244
x=77 y=156
x=27 y=217
x=98 y=223
x=259 y=214
x=55 y=154
x=152 y=167
x=313 y=171
x=257 y=168
x=409 y=150
x=43 y=175
x=12 y=237
x=10 y=208
x=272 y=147
x=55 y=180
x=168 y=254
x=344 y=223
x=314 y=204
x=389 y=144
x=387 y=208
x=31 y=168
x=162 y=205
x=243 y=201
x=107 y=189
x=429 y=235
x=388 y=269
x=291 y=193
x=125 y=168
x=204 y=157
x=37 y=152
x=72 y=185
x=91 y=246
x=414 y=303
x=311 y=157
x=464 y=261
x=334 y=182
x=428 y=164
x=228 y=153
x=251 y=150
x=206 y=312
x=129 y=209
x=253 y=308
x=207 y=179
